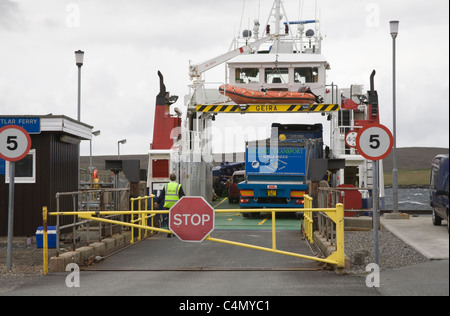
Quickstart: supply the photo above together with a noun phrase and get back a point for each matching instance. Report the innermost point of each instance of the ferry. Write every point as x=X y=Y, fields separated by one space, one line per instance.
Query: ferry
x=282 y=57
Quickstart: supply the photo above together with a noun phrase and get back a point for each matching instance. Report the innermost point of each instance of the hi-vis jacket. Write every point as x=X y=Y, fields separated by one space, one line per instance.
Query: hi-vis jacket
x=171 y=194
x=171 y=191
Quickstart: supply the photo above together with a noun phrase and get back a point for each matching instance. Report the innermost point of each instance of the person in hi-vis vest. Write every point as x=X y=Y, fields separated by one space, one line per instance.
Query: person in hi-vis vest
x=171 y=194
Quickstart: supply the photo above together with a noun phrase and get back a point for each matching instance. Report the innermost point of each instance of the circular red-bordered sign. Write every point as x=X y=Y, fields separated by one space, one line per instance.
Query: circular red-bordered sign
x=375 y=142
x=15 y=143
x=350 y=139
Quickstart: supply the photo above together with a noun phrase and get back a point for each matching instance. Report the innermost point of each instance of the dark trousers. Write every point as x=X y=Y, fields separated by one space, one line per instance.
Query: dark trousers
x=165 y=219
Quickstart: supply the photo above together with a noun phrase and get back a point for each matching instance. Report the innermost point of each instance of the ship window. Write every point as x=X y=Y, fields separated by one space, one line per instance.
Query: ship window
x=277 y=75
x=306 y=75
x=247 y=75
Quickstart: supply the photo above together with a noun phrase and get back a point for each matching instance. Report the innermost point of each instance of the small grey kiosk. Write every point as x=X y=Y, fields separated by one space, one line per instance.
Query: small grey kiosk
x=50 y=166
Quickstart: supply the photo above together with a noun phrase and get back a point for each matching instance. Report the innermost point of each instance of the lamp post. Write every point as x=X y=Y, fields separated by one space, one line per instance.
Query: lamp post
x=394 y=32
x=96 y=133
x=116 y=174
x=123 y=141
x=79 y=59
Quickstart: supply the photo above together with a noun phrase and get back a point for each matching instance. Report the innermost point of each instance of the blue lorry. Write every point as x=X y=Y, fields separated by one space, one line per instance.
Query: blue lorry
x=277 y=169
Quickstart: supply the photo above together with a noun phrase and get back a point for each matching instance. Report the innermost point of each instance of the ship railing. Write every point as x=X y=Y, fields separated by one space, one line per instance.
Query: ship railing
x=340 y=146
x=208 y=93
x=302 y=45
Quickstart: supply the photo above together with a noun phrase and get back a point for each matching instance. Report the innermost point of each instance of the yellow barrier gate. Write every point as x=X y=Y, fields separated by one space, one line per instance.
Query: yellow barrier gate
x=336 y=214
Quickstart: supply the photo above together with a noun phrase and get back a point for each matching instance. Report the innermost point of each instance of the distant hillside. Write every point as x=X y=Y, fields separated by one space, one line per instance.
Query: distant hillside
x=415 y=158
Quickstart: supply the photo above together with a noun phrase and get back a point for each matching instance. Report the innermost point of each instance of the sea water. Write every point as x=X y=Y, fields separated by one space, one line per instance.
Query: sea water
x=409 y=199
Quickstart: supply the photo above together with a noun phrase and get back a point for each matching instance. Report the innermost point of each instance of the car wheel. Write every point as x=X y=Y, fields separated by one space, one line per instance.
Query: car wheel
x=437 y=221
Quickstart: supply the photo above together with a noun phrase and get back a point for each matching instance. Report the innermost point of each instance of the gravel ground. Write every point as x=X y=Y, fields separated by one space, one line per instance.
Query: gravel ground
x=26 y=265
x=394 y=253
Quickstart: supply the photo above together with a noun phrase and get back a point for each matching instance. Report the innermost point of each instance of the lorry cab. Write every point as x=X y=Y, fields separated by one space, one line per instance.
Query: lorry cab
x=439 y=190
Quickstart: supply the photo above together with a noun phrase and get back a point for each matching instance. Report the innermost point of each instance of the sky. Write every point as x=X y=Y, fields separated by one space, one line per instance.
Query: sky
x=127 y=42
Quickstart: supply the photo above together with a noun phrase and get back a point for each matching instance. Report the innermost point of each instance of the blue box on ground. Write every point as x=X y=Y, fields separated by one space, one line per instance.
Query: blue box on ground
x=51 y=237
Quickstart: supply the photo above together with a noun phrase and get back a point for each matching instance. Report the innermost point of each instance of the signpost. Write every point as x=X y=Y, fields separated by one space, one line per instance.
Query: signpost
x=375 y=142
x=191 y=219
x=15 y=143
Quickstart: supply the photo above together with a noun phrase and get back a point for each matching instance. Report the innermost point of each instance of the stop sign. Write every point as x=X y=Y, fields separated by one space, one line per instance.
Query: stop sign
x=191 y=219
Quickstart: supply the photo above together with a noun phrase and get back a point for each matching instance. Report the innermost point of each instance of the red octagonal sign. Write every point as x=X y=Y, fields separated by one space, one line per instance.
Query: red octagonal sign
x=191 y=219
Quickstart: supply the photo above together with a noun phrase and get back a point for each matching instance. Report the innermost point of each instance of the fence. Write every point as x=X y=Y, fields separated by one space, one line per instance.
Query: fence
x=98 y=200
x=142 y=217
x=139 y=220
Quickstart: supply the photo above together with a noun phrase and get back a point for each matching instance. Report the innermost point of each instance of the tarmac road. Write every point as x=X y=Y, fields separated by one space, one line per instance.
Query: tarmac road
x=168 y=267
x=164 y=266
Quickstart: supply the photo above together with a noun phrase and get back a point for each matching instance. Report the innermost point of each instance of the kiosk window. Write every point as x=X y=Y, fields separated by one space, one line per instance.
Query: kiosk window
x=25 y=169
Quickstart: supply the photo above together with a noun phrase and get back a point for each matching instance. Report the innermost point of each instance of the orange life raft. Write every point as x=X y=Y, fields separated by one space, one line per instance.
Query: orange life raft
x=245 y=96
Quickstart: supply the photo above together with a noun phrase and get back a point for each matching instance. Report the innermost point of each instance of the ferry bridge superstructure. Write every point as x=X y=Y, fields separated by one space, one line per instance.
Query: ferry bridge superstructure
x=287 y=57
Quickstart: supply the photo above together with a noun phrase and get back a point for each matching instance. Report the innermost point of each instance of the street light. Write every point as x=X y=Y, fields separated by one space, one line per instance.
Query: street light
x=394 y=33
x=96 y=133
x=394 y=28
x=79 y=58
x=123 y=141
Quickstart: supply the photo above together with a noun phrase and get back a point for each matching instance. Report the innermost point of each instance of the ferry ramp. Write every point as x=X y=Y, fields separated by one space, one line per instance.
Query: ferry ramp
x=160 y=253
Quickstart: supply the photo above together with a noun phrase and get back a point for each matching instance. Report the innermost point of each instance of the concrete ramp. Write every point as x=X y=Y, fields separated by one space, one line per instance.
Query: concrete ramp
x=160 y=253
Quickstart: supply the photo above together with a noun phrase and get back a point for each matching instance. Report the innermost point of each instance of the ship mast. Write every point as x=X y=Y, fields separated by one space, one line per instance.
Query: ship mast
x=277 y=16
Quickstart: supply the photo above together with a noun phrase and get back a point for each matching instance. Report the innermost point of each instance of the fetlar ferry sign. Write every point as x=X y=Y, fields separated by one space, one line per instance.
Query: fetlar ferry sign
x=31 y=124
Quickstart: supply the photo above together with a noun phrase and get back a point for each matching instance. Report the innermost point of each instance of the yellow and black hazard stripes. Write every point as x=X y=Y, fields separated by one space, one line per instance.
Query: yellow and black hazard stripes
x=219 y=108
x=268 y=108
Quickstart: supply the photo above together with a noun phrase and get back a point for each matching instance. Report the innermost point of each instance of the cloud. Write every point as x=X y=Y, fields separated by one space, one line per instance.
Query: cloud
x=126 y=44
x=10 y=16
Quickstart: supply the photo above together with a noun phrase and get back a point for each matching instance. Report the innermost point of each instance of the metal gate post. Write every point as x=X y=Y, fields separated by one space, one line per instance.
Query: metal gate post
x=45 y=240
x=340 y=236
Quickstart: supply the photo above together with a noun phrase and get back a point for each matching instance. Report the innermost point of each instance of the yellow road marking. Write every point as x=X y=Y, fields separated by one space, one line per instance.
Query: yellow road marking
x=221 y=202
x=263 y=221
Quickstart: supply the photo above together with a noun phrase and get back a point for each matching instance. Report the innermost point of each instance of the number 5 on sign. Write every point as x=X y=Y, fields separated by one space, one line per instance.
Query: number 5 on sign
x=375 y=142
x=15 y=143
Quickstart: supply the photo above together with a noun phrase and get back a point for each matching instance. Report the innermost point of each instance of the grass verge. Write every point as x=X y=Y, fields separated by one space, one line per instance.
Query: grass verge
x=409 y=178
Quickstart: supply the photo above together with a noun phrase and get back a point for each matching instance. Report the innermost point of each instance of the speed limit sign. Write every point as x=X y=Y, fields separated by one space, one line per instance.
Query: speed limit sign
x=375 y=142
x=15 y=143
